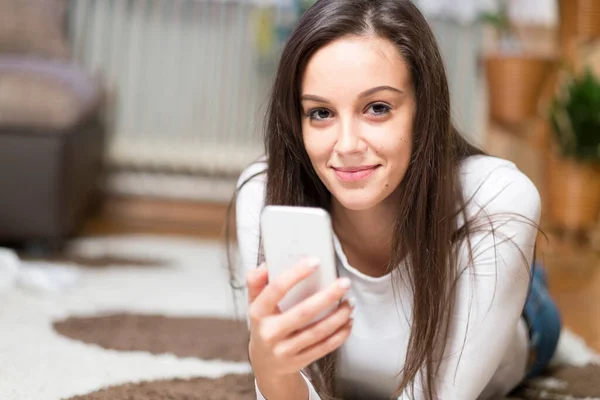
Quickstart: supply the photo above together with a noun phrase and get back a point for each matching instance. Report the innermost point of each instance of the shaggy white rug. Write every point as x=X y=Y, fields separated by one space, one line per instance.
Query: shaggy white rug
x=192 y=280
x=37 y=363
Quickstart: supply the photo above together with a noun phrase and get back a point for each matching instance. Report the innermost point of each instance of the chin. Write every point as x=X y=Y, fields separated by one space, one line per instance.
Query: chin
x=351 y=200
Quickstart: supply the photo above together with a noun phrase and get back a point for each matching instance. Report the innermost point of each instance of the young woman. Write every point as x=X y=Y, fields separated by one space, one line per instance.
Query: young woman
x=434 y=239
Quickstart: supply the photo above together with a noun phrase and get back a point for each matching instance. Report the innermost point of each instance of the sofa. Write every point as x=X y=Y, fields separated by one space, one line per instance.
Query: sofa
x=52 y=129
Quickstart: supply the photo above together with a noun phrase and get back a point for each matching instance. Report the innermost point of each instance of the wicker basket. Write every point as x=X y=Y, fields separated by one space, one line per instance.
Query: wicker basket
x=514 y=86
x=574 y=194
x=579 y=21
x=589 y=18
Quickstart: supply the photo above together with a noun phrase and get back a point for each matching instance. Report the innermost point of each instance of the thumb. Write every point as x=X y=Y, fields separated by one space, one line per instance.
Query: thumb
x=256 y=280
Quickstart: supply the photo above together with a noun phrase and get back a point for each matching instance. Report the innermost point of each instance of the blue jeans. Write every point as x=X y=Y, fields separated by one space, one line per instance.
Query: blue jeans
x=544 y=322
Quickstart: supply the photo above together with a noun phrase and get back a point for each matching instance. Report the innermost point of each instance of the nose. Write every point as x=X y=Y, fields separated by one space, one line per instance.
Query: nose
x=349 y=140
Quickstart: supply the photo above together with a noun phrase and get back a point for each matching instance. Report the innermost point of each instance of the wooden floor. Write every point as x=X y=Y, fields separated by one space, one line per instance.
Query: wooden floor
x=574 y=270
x=123 y=215
x=574 y=277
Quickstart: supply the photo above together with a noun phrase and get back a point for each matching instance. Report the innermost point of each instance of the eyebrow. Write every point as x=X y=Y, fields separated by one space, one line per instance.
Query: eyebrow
x=366 y=93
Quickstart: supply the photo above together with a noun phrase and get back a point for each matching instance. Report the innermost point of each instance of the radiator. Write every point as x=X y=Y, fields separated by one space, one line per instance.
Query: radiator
x=185 y=85
x=188 y=83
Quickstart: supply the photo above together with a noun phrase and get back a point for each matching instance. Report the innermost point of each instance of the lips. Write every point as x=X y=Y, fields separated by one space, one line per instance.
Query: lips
x=355 y=174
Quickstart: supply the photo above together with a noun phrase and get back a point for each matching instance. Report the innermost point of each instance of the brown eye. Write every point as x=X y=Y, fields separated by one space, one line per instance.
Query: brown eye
x=378 y=109
x=319 y=114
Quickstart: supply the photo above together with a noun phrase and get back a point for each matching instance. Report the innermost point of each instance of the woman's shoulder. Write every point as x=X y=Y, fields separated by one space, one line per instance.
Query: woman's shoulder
x=253 y=173
x=498 y=186
x=251 y=185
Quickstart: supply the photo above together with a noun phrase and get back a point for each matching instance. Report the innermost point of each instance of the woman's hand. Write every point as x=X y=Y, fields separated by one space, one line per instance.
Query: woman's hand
x=282 y=344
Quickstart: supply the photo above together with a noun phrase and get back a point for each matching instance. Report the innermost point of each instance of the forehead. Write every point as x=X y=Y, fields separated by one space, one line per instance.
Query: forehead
x=354 y=64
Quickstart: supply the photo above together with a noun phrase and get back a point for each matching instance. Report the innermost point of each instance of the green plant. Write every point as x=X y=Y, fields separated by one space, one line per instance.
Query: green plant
x=305 y=5
x=575 y=118
x=508 y=38
x=498 y=20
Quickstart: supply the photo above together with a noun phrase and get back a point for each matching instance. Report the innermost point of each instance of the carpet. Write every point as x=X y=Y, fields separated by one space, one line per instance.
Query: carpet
x=154 y=318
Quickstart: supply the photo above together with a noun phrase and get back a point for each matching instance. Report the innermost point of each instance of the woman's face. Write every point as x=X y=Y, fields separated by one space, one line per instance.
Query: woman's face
x=358 y=109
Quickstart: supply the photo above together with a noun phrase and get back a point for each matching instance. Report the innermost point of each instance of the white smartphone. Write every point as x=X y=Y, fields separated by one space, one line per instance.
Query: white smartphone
x=290 y=234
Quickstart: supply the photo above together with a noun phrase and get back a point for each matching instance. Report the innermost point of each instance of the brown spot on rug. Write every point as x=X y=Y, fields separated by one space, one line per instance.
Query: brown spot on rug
x=576 y=383
x=103 y=261
x=206 y=338
x=230 y=387
x=563 y=383
x=212 y=338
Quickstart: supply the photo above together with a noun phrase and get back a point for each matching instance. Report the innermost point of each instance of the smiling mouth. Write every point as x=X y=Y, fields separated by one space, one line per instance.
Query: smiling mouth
x=355 y=174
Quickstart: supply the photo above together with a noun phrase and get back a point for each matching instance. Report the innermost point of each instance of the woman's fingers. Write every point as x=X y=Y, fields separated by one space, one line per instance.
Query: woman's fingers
x=303 y=313
x=256 y=280
x=266 y=303
x=325 y=346
x=316 y=332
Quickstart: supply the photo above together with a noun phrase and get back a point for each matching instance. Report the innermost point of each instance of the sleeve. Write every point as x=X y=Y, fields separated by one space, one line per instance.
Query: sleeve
x=312 y=393
x=492 y=288
x=249 y=204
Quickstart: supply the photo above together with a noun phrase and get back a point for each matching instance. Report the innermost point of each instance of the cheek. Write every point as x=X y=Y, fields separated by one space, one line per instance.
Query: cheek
x=394 y=148
x=317 y=145
x=397 y=152
x=393 y=140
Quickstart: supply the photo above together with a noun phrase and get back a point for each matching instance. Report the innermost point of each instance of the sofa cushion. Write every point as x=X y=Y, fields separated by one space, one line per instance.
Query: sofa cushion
x=34 y=27
x=46 y=94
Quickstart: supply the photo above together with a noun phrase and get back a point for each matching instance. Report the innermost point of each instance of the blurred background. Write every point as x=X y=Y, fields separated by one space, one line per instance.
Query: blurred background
x=122 y=117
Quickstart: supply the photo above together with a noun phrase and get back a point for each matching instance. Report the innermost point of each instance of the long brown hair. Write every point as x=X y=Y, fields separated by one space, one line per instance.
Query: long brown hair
x=425 y=230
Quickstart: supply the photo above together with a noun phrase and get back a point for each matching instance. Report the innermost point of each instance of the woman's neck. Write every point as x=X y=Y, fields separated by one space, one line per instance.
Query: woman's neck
x=366 y=235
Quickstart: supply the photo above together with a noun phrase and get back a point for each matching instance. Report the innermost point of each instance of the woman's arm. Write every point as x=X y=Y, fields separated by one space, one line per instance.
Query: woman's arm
x=295 y=387
x=249 y=204
x=492 y=290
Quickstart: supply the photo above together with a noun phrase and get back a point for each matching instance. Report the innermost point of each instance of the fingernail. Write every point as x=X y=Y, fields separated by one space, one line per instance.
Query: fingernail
x=344 y=283
x=352 y=302
x=313 y=262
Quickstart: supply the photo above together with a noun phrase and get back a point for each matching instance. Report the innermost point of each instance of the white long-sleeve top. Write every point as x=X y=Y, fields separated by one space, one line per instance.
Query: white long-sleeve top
x=487 y=334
